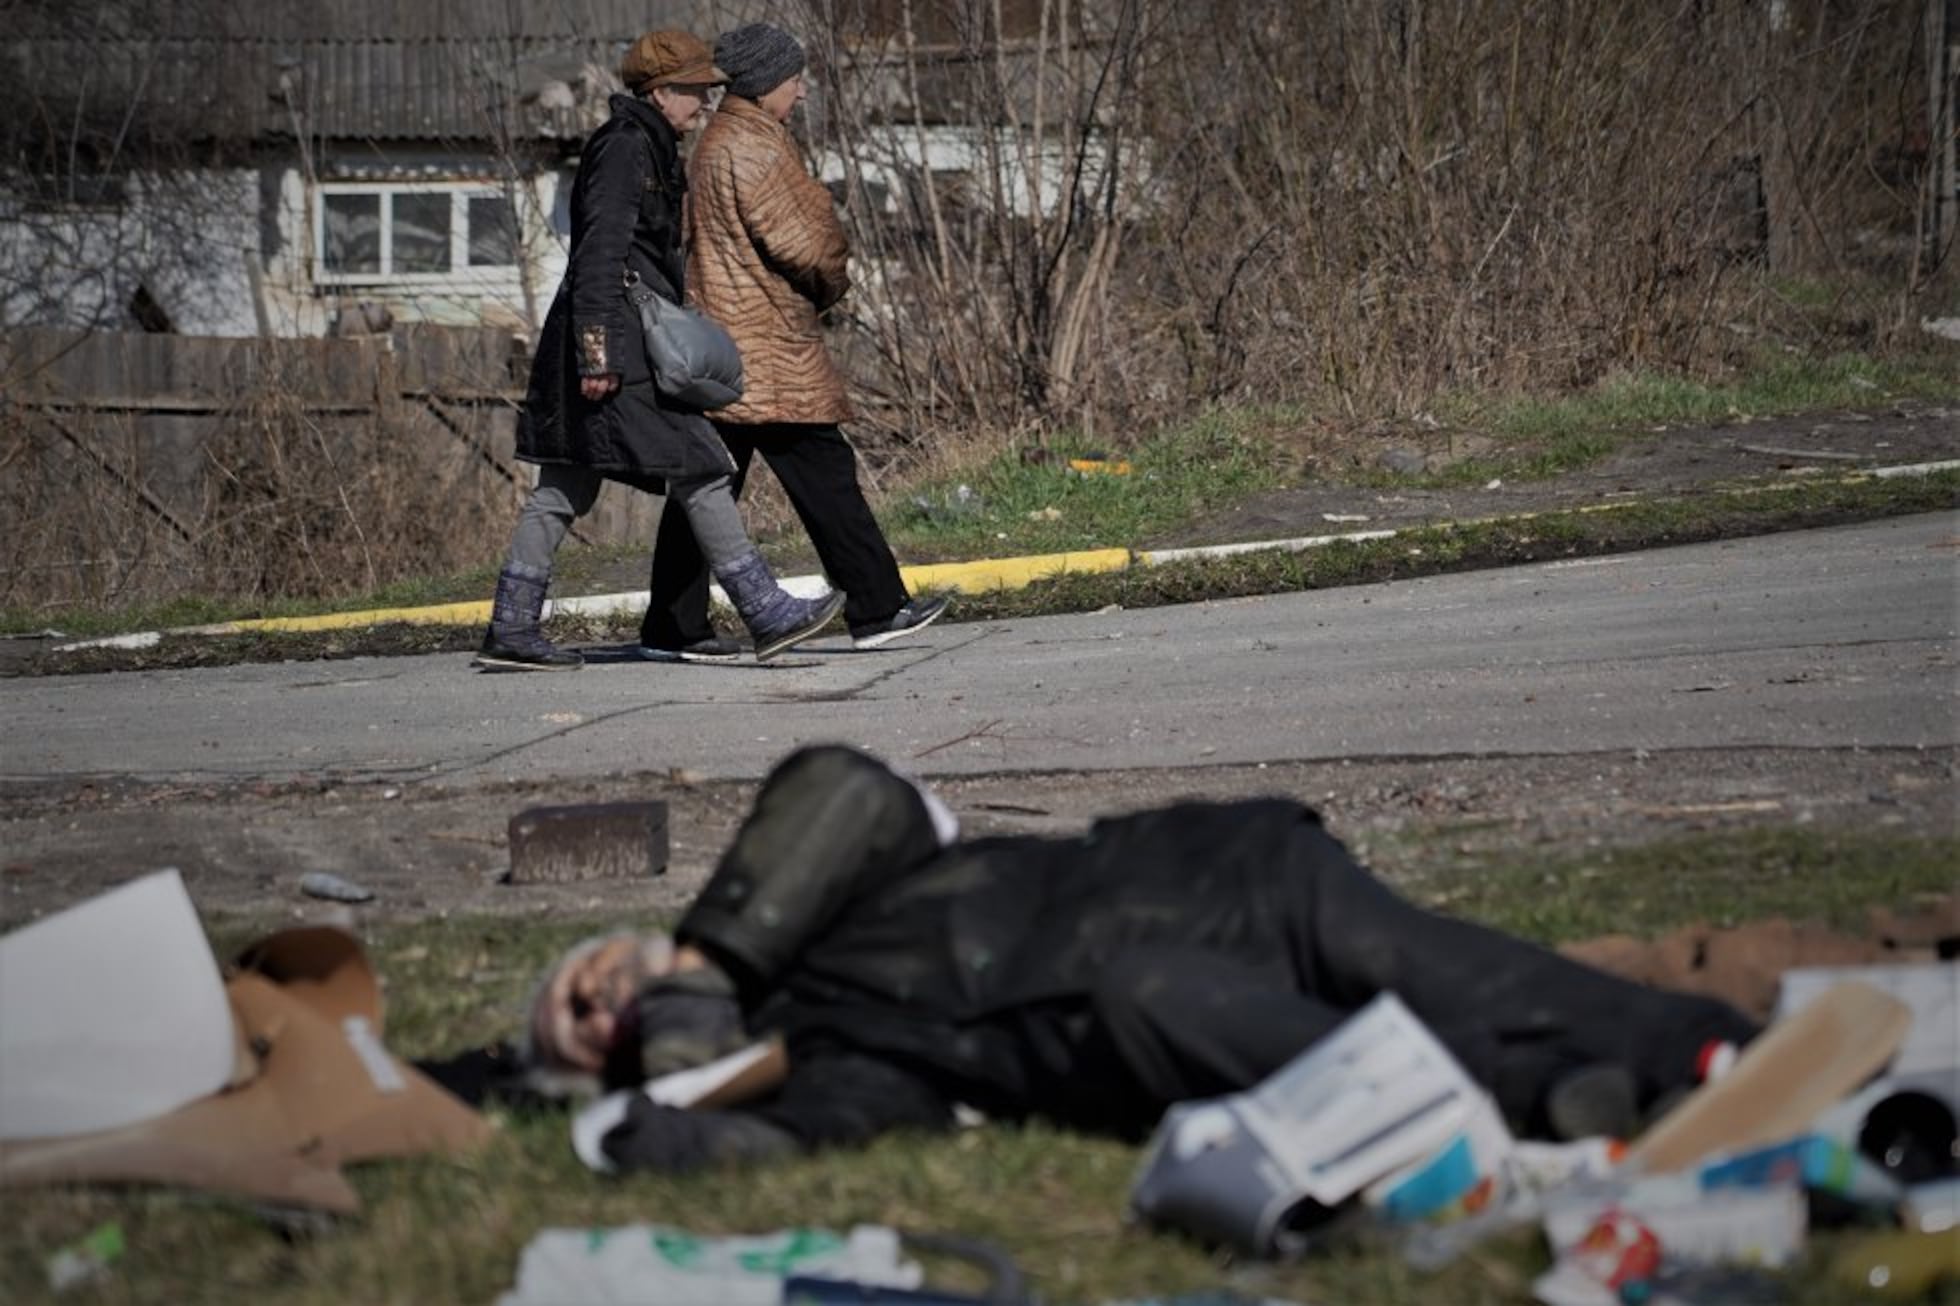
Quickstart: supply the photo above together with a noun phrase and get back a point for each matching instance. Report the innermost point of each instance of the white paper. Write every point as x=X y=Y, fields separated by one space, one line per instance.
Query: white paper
x=110 y=1012
x=681 y=1088
x=1377 y=1094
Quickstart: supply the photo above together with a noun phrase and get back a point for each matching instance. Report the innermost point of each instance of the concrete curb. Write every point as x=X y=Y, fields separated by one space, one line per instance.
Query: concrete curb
x=979 y=577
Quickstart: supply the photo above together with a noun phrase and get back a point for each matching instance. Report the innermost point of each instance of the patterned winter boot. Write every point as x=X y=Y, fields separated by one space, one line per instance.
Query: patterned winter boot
x=515 y=641
x=776 y=618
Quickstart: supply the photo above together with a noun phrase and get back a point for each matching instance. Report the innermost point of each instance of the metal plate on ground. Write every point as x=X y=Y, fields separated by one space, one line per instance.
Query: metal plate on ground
x=588 y=841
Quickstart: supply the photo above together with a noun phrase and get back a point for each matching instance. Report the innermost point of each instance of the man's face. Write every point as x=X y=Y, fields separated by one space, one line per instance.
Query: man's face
x=578 y=1013
x=683 y=105
x=781 y=102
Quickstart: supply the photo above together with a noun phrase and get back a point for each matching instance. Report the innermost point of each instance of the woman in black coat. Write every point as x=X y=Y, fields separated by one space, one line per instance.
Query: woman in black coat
x=592 y=412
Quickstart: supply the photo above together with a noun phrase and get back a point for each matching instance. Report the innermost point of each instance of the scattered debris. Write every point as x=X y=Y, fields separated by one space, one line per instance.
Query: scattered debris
x=1733 y=807
x=261 y=1085
x=1094 y=462
x=1376 y=1122
x=645 y=1263
x=1379 y=1104
x=1099 y=465
x=1045 y=514
x=1784 y=1080
x=960 y=501
x=1779 y=451
x=87 y=1259
x=332 y=888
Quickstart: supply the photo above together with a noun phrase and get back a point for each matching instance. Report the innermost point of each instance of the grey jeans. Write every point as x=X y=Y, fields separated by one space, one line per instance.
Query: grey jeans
x=566 y=492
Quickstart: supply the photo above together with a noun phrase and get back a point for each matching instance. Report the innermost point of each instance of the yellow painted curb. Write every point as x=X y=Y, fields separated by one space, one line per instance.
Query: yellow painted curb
x=472 y=613
x=1011 y=573
x=968 y=577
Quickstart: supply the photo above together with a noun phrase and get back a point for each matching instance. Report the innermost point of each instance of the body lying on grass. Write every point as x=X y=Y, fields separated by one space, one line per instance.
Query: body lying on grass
x=1172 y=954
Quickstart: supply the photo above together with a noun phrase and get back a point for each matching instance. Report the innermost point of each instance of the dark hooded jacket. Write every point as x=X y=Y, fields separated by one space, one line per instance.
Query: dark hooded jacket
x=923 y=976
x=1171 y=954
x=626 y=211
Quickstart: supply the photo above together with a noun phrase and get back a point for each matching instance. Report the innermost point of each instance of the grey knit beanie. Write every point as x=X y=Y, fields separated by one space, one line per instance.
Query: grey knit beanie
x=757 y=58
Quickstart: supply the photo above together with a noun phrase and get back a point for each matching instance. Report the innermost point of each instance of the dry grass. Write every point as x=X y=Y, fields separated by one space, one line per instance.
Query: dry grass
x=276 y=493
x=1363 y=208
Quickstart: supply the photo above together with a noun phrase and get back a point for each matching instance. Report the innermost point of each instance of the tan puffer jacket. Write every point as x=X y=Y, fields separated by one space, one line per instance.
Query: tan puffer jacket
x=766 y=254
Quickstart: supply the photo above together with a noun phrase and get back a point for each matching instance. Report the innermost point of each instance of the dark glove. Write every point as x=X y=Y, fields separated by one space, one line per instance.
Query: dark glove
x=687 y=1019
x=673 y=1140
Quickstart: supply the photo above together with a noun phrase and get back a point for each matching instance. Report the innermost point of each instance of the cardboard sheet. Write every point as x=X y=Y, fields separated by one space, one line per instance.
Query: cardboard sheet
x=1783 y=1081
x=326 y=1091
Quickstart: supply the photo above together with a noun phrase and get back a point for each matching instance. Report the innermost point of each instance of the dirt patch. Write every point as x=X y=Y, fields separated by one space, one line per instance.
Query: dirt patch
x=1743 y=965
x=1662 y=463
x=433 y=851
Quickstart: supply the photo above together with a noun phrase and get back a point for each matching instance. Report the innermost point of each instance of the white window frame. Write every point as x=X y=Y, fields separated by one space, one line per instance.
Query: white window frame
x=461 y=271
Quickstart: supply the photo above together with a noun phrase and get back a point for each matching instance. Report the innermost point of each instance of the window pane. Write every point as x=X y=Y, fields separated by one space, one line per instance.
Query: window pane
x=351 y=225
x=493 y=232
x=421 y=232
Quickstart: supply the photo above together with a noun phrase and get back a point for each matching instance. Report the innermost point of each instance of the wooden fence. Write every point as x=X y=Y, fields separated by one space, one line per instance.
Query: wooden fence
x=144 y=467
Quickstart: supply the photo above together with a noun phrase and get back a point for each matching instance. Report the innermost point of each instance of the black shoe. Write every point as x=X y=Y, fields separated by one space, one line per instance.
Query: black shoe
x=535 y=653
x=910 y=619
x=715 y=648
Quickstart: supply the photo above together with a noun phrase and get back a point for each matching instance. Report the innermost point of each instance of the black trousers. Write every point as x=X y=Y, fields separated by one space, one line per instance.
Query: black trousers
x=1179 y=1023
x=818 y=471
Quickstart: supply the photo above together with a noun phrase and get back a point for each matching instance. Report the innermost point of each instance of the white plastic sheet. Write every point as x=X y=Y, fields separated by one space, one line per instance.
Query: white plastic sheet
x=654 y=1265
x=110 y=1012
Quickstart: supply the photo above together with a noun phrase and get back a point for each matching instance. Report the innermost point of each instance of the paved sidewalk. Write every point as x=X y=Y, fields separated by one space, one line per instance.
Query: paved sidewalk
x=979 y=576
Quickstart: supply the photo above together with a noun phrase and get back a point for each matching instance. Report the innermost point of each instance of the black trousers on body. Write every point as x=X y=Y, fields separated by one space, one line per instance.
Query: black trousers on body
x=818 y=471
x=1181 y=1023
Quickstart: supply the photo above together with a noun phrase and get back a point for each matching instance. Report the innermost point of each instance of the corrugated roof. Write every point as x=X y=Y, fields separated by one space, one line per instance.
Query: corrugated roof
x=437 y=70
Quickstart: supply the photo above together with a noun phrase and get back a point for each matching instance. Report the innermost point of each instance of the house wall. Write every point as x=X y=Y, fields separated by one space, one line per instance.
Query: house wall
x=963 y=161
x=187 y=239
x=214 y=251
x=309 y=298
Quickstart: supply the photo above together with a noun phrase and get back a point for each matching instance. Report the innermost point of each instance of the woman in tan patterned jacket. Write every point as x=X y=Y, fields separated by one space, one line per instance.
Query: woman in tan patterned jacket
x=766 y=257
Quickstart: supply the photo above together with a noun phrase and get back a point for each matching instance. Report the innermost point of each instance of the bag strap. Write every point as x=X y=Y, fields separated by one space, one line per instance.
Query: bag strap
x=662 y=286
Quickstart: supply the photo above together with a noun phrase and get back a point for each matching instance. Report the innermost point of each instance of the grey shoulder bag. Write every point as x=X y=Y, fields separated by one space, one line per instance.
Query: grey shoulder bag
x=694 y=360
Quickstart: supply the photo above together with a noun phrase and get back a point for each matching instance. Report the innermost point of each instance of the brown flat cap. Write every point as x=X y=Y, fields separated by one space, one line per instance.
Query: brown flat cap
x=669 y=58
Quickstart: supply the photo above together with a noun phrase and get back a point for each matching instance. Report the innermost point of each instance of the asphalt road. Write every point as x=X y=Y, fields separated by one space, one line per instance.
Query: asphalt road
x=1834 y=638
